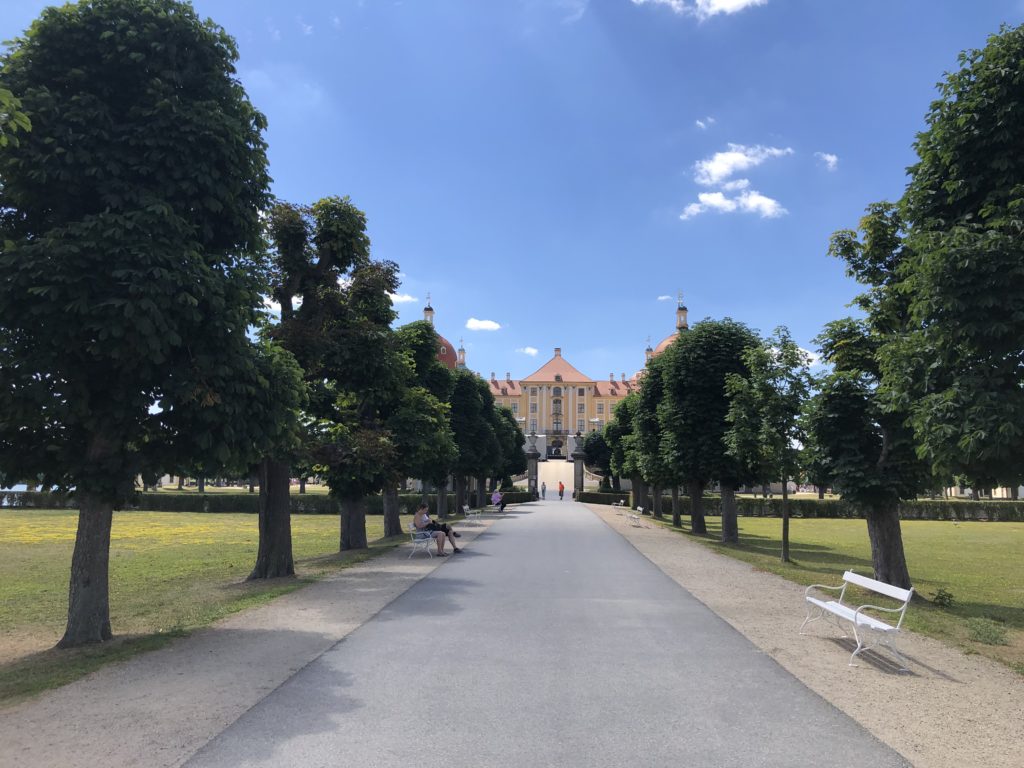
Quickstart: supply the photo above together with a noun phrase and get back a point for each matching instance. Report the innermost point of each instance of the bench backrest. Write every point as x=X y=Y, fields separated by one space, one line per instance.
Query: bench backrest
x=897 y=593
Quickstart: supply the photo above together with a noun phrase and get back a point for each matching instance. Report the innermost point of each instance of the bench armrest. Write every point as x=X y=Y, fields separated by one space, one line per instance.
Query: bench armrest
x=821 y=586
x=878 y=608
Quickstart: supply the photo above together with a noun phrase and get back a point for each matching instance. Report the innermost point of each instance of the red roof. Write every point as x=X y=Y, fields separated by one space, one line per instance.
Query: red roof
x=446 y=352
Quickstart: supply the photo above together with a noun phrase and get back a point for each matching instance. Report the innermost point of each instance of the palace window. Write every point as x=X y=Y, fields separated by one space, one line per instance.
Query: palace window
x=556 y=424
x=515 y=408
x=533 y=391
x=556 y=406
x=581 y=408
x=582 y=392
x=600 y=407
x=533 y=425
x=581 y=425
x=556 y=392
x=533 y=407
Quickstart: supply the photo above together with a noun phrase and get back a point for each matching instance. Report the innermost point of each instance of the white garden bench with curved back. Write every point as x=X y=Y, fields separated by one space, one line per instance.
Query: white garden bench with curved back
x=421 y=540
x=864 y=624
x=467 y=512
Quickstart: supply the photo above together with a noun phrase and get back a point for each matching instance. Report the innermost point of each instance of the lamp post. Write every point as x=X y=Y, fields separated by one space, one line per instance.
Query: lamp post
x=532 y=454
x=593 y=424
x=577 y=460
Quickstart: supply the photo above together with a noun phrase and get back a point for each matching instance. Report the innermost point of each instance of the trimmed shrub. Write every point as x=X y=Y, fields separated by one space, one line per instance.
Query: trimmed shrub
x=600 y=497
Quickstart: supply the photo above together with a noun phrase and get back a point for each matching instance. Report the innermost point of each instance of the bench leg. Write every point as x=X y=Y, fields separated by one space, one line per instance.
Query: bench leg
x=811 y=617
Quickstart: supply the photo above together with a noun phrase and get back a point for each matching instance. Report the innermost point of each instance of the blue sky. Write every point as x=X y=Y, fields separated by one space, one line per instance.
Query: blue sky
x=557 y=167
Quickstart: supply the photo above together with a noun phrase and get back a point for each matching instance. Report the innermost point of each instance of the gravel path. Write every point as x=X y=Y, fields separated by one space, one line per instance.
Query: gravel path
x=953 y=711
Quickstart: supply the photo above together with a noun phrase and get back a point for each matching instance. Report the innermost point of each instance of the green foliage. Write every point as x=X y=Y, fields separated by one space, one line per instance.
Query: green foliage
x=765 y=431
x=695 y=406
x=592 y=497
x=944 y=598
x=648 y=428
x=510 y=441
x=472 y=421
x=982 y=630
x=130 y=263
x=958 y=373
x=597 y=453
x=12 y=119
x=618 y=433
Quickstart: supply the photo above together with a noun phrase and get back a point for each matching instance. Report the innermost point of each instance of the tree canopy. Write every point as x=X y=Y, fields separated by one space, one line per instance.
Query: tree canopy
x=131 y=263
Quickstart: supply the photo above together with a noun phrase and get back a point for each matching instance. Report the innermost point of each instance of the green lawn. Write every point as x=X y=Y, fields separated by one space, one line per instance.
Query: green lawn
x=170 y=572
x=980 y=564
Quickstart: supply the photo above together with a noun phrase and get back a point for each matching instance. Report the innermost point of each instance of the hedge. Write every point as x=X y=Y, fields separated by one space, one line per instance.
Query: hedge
x=923 y=509
x=245 y=503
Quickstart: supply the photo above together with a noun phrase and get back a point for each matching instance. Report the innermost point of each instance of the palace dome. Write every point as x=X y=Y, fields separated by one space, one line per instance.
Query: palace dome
x=665 y=344
x=446 y=352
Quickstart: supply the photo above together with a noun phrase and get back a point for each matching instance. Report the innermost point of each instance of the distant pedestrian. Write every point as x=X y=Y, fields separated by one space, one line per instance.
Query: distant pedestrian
x=543 y=490
x=561 y=490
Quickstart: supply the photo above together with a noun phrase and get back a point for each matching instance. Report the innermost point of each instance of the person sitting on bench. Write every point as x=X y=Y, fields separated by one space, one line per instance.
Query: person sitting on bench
x=498 y=500
x=423 y=522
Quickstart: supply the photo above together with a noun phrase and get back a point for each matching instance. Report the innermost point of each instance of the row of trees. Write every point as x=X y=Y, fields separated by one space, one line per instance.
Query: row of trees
x=924 y=388
x=139 y=242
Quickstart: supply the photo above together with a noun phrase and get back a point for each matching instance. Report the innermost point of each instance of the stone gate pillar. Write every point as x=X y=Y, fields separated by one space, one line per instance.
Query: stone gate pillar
x=532 y=456
x=577 y=461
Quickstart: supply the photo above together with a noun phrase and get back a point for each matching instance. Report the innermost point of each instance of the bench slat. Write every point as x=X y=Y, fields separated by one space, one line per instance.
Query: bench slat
x=880 y=587
x=845 y=612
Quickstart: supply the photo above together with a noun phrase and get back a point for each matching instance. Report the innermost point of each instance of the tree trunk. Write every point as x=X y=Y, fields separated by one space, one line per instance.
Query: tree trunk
x=442 y=500
x=460 y=493
x=821 y=491
x=89 y=591
x=201 y=484
x=1014 y=493
x=785 y=521
x=274 y=556
x=252 y=482
x=353 y=524
x=616 y=486
x=639 y=491
x=730 y=525
x=656 y=501
x=425 y=491
x=302 y=485
x=696 y=490
x=392 y=522
x=887 y=555
x=677 y=516
x=181 y=482
x=481 y=491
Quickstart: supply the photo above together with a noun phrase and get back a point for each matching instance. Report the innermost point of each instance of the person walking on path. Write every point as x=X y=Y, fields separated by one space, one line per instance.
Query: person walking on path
x=543 y=490
x=561 y=490
x=423 y=522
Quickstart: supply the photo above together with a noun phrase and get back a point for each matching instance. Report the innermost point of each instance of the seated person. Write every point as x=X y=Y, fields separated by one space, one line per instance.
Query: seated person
x=423 y=522
x=498 y=500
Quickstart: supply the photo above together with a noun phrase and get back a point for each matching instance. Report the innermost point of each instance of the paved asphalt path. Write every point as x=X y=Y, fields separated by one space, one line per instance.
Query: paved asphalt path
x=549 y=642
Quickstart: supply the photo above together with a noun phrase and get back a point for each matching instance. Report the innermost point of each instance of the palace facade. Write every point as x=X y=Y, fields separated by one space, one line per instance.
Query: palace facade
x=558 y=401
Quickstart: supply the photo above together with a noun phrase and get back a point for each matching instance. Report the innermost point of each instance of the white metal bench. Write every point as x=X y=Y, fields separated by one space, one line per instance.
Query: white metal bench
x=634 y=517
x=421 y=540
x=467 y=512
x=864 y=625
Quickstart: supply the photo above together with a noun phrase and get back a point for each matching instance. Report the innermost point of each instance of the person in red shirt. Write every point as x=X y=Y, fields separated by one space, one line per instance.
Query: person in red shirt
x=561 y=490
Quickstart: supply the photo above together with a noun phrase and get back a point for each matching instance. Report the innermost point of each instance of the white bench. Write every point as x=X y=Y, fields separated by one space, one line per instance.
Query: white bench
x=634 y=518
x=467 y=512
x=864 y=624
x=421 y=540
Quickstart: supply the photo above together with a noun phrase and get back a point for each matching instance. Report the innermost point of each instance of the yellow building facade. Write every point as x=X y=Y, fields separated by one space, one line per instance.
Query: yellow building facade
x=557 y=401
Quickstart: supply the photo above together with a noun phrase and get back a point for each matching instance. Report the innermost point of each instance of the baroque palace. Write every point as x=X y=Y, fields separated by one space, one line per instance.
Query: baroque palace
x=557 y=401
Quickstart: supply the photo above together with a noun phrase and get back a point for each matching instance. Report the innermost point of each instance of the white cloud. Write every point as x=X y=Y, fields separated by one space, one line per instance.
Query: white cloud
x=401 y=298
x=831 y=161
x=720 y=166
x=531 y=351
x=706 y=123
x=703 y=9
x=755 y=202
x=482 y=325
x=736 y=185
x=336 y=22
x=748 y=202
x=813 y=358
x=307 y=29
x=275 y=32
x=664 y=298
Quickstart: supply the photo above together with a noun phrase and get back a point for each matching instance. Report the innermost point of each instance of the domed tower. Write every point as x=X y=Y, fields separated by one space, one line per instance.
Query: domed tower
x=445 y=350
x=681 y=325
x=461 y=357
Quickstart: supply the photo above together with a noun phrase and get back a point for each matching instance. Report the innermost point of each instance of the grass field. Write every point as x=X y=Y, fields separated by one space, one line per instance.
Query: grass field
x=979 y=564
x=169 y=573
